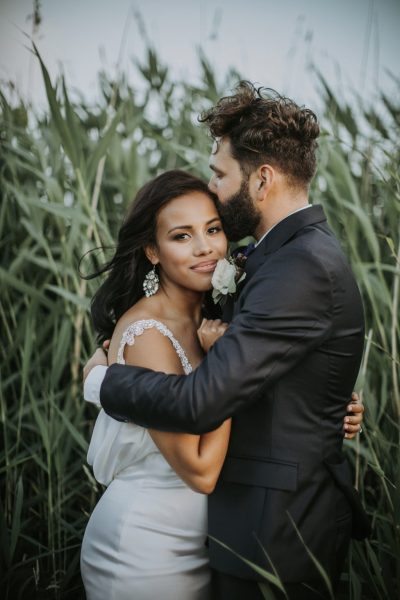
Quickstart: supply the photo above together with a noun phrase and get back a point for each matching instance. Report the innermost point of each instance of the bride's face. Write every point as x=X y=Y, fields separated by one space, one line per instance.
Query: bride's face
x=190 y=241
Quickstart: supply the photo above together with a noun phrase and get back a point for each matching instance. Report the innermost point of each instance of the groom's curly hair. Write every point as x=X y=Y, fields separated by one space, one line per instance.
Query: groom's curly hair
x=265 y=127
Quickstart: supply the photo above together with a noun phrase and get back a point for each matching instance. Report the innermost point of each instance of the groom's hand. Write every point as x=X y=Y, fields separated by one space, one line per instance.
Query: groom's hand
x=98 y=358
x=354 y=418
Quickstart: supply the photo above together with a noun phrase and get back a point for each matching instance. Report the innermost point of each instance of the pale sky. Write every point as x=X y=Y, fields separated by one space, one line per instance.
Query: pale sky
x=353 y=42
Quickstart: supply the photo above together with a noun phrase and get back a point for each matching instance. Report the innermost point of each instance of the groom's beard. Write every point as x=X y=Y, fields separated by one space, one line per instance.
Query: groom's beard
x=239 y=216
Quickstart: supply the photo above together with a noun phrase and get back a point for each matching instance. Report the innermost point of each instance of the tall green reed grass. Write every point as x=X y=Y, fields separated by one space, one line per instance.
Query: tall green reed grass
x=67 y=175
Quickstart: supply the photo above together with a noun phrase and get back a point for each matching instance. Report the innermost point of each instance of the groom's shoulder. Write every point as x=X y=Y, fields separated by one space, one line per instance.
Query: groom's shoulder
x=315 y=243
x=312 y=252
x=312 y=243
x=314 y=235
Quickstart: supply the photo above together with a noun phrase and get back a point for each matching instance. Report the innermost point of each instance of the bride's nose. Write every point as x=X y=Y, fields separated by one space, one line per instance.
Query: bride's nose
x=202 y=246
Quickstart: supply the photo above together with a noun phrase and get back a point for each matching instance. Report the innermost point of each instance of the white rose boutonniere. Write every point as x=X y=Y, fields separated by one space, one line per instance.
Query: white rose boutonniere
x=225 y=279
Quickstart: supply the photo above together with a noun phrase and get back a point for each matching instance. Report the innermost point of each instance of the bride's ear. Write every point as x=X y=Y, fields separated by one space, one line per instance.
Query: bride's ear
x=151 y=254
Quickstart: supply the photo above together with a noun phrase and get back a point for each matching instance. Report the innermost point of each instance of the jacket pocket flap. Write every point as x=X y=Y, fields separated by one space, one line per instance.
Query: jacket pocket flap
x=268 y=473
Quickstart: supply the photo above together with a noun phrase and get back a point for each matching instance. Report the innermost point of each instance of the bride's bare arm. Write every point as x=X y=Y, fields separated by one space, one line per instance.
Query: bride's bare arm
x=197 y=459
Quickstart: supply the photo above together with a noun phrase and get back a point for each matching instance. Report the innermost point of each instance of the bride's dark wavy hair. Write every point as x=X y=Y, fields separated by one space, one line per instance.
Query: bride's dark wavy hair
x=127 y=269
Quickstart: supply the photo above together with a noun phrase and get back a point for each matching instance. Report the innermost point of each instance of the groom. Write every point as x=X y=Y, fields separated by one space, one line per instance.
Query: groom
x=284 y=369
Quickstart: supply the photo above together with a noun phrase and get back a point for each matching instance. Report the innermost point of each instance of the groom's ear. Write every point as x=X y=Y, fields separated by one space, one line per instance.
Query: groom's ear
x=264 y=179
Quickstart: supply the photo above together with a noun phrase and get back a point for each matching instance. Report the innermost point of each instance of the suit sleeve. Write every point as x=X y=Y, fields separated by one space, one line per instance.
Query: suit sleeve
x=286 y=312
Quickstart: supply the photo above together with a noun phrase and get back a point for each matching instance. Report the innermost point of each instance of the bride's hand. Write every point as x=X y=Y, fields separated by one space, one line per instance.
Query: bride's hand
x=353 y=421
x=209 y=331
x=98 y=358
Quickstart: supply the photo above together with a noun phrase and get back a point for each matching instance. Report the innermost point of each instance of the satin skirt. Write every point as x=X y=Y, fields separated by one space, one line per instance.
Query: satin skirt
x=146 y=540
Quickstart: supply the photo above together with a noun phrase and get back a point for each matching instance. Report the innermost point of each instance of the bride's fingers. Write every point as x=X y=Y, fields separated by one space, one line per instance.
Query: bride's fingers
x=356 y=408
x=352 y=427
x=351 y=430
x=350 y=435
x=352 y=424
x=201 y=328
x=210 y=326
x=354 y=419
x=203 y=323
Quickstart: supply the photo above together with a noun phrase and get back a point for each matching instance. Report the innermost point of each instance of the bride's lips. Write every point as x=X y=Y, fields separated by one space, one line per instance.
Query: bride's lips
x=205 y=266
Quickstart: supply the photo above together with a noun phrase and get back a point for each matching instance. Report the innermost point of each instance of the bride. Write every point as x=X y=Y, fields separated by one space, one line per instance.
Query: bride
x=146 y=537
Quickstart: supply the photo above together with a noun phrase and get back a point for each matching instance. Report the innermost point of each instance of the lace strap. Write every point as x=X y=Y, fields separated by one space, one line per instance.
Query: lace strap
x=138 y=327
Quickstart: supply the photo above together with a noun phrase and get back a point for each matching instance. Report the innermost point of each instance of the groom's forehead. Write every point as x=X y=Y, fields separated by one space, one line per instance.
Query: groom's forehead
x=221 y=147
x=220 y=152
x=222 y=162
x=215 y=146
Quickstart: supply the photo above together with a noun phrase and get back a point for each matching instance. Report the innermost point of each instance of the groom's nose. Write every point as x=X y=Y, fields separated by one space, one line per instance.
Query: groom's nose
x=211 y=185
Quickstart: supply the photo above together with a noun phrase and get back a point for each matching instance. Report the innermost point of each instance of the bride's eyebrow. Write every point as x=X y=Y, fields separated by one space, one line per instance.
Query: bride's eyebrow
x=191 y=226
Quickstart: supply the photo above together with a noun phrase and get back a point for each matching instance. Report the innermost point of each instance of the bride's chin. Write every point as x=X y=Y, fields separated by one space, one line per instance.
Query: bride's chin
x=203 y=283
x=206 y=287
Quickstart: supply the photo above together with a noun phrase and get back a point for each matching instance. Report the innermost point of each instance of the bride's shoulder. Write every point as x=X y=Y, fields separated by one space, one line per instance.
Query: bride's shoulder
x=138 y=313
x=145 y=341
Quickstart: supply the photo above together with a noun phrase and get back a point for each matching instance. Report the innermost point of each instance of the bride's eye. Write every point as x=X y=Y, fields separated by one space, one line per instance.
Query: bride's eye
x=215 y=229
x=181 y=236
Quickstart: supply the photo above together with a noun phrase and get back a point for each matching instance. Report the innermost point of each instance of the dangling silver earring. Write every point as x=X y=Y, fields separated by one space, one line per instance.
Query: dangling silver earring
x=151 y=283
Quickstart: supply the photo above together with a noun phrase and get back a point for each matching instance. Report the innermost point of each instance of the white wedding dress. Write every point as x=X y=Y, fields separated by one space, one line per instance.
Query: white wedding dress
x=145 y=539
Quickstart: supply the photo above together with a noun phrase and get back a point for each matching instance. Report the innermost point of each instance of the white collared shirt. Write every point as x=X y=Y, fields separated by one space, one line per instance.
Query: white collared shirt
x=269 y=230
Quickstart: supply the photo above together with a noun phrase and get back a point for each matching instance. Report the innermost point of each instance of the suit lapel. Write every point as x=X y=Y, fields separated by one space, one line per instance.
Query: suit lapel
x=280 y=235
x=227 y=310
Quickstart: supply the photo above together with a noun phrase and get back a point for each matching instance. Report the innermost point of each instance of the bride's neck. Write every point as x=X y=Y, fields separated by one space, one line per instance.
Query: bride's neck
x=180 y=303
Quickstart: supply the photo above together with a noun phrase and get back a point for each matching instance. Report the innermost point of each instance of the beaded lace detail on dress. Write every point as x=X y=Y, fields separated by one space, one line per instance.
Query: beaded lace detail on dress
x=138 y=327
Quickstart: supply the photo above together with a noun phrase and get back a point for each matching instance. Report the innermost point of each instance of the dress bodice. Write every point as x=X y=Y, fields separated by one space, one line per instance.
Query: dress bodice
x=124 y=449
